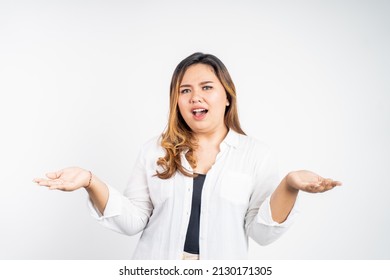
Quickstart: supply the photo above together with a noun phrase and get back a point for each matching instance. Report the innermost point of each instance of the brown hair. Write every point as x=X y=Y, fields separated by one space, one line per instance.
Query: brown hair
x=178 y=136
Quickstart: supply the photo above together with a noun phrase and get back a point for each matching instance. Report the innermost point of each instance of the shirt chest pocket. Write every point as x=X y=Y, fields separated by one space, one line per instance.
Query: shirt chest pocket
x=159 y=189
x=236 y=188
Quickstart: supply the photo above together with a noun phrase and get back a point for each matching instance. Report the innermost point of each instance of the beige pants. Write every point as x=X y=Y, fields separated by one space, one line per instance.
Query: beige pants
x=189 y=256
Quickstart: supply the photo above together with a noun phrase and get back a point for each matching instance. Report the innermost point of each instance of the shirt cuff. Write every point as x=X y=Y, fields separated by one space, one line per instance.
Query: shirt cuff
x=113 y=207
x=265 y=215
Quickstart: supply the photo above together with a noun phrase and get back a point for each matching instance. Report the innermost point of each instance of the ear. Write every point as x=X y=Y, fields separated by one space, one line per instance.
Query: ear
x=227 y=100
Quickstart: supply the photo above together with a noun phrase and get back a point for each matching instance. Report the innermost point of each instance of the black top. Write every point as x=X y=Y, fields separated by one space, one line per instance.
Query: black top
x=192 y=239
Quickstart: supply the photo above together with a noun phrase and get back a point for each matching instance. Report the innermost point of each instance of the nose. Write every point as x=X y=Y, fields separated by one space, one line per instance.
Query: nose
x=196 y=98
x=193 y=101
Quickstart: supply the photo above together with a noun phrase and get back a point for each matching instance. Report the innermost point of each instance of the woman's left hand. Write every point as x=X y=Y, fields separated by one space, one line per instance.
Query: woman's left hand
x=308 y=181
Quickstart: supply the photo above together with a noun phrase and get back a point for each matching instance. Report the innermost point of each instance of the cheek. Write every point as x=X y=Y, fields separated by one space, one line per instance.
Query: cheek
x=220 y=101
x=181 y=103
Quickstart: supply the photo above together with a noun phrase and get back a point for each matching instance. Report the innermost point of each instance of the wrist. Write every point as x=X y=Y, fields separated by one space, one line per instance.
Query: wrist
x=289 y=186
x=89 y=181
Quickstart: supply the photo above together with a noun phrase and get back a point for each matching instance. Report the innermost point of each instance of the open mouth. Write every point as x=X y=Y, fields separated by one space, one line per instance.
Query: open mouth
x=199 y=112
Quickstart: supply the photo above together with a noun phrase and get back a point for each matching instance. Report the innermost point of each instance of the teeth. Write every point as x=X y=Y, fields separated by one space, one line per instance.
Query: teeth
x=199 y=110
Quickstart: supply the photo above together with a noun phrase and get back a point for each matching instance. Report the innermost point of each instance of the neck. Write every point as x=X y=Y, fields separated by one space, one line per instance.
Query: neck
x=212 y=138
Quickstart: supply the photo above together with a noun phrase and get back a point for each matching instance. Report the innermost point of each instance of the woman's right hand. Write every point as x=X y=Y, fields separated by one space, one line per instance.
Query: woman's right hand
x=68 y=179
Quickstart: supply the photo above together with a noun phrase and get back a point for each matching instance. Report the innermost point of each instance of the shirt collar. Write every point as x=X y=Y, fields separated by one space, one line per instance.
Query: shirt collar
x=232 y=139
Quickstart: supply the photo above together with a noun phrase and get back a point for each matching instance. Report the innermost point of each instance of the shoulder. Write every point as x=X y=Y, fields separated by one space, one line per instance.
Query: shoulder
x=256 y=151
x=153 y=142
x=251 y=154
x=152 y=148
x=253 y=145
x=259 y=154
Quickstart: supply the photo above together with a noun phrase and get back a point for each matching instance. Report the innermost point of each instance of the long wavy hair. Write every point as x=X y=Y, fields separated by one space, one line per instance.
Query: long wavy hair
x=178 y=136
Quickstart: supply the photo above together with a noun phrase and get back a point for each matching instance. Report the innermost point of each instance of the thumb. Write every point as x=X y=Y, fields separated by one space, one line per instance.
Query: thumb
x=54 y=175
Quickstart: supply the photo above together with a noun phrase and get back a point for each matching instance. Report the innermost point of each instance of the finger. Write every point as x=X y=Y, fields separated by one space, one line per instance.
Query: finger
x=54 y=175
x=41 y=181
x=326 y=182
x=37 y=180
x=322 y=185
x=68 y=186
x=312 y=187
x=49 y=183
x=327 y=188
x=320 y=179
x=333 y=183
x=329 y=184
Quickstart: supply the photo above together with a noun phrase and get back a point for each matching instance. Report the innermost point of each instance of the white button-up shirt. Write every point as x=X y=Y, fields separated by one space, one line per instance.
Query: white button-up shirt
x=234 y=204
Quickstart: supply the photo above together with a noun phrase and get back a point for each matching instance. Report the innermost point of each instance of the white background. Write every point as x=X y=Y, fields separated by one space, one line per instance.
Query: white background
x=85 y=83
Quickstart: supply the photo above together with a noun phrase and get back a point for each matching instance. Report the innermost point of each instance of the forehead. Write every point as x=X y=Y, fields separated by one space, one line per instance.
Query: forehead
x=198 y=73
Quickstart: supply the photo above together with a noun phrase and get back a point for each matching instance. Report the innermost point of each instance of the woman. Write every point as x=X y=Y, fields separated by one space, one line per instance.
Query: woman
x=203 y=187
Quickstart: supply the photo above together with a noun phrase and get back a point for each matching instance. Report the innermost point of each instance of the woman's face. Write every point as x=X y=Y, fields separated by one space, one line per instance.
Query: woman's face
x=202 y=99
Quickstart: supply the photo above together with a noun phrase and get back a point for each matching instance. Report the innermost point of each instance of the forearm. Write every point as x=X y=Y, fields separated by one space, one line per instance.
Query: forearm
x=282 y=201
x=98 y=193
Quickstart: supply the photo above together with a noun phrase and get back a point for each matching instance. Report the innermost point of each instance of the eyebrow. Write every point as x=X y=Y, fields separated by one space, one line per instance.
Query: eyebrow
x=202 y=83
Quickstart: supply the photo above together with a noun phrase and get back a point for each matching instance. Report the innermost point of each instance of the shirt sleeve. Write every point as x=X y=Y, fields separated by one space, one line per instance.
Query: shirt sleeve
x=258 y=221
x=127 y=213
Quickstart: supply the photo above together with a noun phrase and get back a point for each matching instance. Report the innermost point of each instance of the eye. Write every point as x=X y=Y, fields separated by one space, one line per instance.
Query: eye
x=186 y=90
x=207 y=87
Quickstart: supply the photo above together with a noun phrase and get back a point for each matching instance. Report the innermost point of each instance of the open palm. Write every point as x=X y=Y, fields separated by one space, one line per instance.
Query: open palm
x=308 y=181
x=68 y=179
